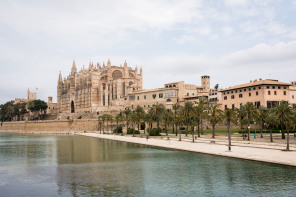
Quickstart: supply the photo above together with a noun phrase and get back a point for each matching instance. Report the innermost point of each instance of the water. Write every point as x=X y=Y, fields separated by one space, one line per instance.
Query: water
x=36 y=165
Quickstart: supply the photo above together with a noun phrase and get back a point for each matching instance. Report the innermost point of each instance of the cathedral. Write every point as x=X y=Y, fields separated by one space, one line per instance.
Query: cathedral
x=98 y=88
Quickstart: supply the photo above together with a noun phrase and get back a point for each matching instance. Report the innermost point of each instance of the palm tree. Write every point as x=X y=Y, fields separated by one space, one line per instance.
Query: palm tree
x=134 y=120
x=179 y=120
x=241 y=113
x=175 y=107
x=140 y=115
x=149 y=118
x=118 y=118
x=111 y=120
x=127 y=113
x=262 y=113
x=290 y=124
x=215 y=116
x=100 y=122
x=167 y=118
x=283 y=111
x=200 y=112
x=250 y=112
x=230 y=116
x=270 y=120
x=187 y=113
x=157 y=110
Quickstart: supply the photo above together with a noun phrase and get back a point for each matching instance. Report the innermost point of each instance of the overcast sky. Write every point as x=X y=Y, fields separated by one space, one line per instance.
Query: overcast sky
x=233 y=41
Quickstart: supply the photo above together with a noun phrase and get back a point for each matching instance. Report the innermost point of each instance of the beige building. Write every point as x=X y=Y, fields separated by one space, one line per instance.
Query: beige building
x=114 y=88
x=98 y=88
x=267 y=93
x=30 y=97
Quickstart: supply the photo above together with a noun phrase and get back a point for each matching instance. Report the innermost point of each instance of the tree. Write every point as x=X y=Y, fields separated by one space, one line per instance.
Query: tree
x=200 y=113
x=118 y=118
x=270 y=120
x=251 y=111
x=100 y=123
x=262 y=113
x=215 y=116
x=167 y=118
x=175 y=108
x=283 y=111
x=38 y=106
x=187 y=113
x=230 y=116
x=134 y=120
x=149 y=118
x=157 y=110
x=127 y=113
x=104 y=119
x=140 y=115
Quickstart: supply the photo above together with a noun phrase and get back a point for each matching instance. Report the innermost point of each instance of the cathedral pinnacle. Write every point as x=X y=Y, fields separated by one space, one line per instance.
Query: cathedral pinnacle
x=60 y=77
x=108 y=63
x=74 y=69
x=125 y=64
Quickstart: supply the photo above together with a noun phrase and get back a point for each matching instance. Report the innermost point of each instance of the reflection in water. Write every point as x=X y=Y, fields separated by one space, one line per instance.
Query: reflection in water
x=35 y=165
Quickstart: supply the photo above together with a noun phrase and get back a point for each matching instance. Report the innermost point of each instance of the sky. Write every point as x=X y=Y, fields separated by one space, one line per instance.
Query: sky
x=233 y=41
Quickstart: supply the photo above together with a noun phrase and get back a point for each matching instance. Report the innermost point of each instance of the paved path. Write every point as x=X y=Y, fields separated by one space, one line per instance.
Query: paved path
x=256 y=152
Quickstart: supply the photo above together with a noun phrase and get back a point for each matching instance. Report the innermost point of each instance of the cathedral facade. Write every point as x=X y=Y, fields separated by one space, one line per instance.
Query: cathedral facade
x=98 y=88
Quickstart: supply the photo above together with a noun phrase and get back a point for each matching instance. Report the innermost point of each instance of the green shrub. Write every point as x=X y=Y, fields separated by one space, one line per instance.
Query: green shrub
x=130 y=131
x=117 y=130
x=154 y=131
x=182 y=128
x=79 y=117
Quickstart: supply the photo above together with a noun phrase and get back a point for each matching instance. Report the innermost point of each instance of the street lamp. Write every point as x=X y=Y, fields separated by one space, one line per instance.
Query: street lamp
x=255 y=130
x=249 y=133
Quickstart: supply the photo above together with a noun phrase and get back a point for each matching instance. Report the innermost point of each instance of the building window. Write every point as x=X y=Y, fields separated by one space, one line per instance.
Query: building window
x=273 y=87
x=267 y=87
x=144 y=105
x=240 y=90
x=257 y=93
x=250 y=94
x=245 y=90
x=160 y=95
x=231 y=92
x=285 y=93
x=259 y=87
x=227 y=92
x=285 y=87
x=144 y=96
x=250 y=89
x=292 y=96
x=274 y=92
x=132 y=97
x=240 y=95
x=232 y=96
x=154 y=96
x=225 y=107
x=225 y=97
x=279 y=87
x=138 y=97
x=187 y=94
x=254 y=88
x=257 y=104
x=232 y=106
x=268 y=92
x=235 y=91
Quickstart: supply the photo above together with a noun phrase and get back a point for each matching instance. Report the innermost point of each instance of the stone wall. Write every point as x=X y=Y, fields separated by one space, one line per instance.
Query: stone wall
x=51 y=125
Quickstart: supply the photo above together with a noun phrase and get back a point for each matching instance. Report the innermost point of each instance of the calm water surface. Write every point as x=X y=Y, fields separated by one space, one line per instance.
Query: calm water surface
x=36 y=165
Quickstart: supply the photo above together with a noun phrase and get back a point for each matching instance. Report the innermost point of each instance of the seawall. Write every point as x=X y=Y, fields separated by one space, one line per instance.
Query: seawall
x=51 y=125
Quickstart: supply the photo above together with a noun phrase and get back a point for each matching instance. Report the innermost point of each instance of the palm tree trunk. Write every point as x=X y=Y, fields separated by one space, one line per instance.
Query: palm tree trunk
x=213 y=130
x=261 y=129
x=288 y=148
x=248 y=128
x=271 y=140
x=283 y=133
x=186 y=130
x=179 y=134
x=201 y=127
x=133 y=129
x=176 y=129
x=198 y=133
x=229 y=137
x=166 y=128
x=192 y=131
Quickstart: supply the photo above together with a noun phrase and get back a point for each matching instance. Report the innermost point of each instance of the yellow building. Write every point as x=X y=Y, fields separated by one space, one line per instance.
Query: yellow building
x=267 y=93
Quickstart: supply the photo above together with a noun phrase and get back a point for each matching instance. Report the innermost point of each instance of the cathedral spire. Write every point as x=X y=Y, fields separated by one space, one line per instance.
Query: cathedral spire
x=108 y=63
x=60 y=78
x=74 y=69
x=125 y=64
x=141 y=71
x=136 y=70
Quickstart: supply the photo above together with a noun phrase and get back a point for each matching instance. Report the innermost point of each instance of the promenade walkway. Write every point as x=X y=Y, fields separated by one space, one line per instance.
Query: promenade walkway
x=264 y=152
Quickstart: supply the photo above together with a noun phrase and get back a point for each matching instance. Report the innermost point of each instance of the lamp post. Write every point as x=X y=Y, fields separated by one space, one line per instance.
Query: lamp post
x=255 y=130
x=249 y=132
